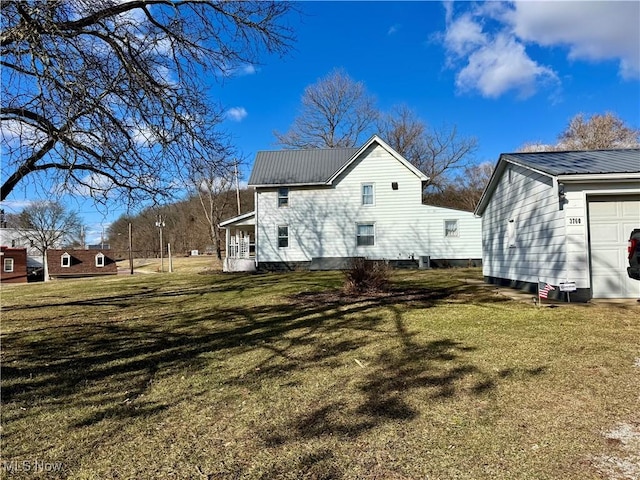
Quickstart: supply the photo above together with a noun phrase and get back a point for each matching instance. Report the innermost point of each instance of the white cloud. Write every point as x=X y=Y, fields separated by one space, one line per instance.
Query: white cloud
x=486 y=44
x=237 y=114
x=593 y=31
x=393 y=29
x=501 y=65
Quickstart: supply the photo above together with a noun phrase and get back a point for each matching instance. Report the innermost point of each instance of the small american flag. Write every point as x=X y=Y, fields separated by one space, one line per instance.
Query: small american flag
x=544 y=289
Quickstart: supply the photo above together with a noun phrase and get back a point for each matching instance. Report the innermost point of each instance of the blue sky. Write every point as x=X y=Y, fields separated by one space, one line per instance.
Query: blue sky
x=504 y=73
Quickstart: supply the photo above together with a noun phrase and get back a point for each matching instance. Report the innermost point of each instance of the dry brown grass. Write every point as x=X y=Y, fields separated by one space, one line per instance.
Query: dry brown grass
x=283 y=376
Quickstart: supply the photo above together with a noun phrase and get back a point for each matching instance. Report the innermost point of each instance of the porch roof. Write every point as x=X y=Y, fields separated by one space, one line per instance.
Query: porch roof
x=248 y=218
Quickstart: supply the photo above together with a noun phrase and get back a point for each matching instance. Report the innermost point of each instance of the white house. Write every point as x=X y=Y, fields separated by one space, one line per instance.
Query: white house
x=16 y=238
x=562 y=217
x=317 y=208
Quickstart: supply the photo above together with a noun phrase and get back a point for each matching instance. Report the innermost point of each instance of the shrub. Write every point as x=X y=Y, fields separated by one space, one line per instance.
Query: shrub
x=366 y=276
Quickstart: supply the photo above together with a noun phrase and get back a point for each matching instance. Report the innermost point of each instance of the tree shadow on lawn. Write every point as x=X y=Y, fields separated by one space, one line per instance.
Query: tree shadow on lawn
x=109 y=367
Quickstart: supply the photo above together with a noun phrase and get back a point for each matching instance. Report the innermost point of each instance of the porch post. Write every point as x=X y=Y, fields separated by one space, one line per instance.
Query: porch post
x=228 y=241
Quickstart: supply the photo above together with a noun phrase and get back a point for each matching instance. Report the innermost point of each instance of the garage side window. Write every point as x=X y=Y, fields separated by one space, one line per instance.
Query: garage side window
x=100 y=260
x=65 y=260
x=511 y=233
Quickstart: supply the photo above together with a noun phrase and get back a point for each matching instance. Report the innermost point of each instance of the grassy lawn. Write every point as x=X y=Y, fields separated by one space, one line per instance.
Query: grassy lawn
x=212 y=376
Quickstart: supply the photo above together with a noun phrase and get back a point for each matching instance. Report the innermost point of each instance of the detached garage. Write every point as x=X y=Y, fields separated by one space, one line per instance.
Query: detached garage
x=562 y=218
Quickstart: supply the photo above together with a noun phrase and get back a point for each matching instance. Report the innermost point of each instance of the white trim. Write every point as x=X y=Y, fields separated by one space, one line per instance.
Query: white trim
x=66 y=256
x=599 y=177
x=99 y=256
x=239 y=218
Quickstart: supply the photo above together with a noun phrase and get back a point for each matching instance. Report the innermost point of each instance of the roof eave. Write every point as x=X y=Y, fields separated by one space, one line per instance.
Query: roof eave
x=599 y=177
x=275 y=185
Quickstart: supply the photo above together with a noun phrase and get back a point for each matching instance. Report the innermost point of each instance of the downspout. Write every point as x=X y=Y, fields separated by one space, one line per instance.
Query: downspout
x=256 y=227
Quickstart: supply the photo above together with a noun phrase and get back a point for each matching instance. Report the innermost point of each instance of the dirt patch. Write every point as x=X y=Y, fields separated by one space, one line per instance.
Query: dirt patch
x=625 y=464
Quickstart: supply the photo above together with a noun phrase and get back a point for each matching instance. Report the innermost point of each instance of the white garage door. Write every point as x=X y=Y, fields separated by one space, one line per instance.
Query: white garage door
x=611 y=220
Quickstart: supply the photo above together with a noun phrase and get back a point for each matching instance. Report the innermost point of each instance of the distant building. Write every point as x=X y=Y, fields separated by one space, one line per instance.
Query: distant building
x=14 y=265
x=70 y=262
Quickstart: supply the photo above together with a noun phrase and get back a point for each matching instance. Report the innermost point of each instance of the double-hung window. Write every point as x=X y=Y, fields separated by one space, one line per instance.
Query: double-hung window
x=367 y=194
x=65 y=260
x=100 y=260
x=283 y=236
x=365 y=234
x=283 y=197
x=8 y=265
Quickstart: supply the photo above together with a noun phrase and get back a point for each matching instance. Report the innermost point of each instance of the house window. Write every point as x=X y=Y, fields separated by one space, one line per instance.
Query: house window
x=451 y=228
x=100 y=260
x=13 y=243
x=365 y=235
x=283 y=197
x=65 y=260
x=367 y=194
x=8 y=264
x=283 y=236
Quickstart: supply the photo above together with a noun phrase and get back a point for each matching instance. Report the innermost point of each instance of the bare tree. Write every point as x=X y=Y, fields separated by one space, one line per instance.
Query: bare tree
x=599 y=132
x=438 y=152
x=336 y=113
x=48 y=224
x=106 y=97
x=213 y=186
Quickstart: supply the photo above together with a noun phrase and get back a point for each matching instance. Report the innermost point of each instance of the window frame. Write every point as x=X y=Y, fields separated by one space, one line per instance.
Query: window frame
x=359 y=236
x=456 y=231
x=100 y=256
x=372 y=194
x=283 y=197
x=67 y=257
x=281 y=237
x=5 y=262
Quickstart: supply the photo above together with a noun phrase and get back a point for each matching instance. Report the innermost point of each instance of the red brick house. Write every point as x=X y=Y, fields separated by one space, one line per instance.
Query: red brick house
x=71 y=262
x=14 y=265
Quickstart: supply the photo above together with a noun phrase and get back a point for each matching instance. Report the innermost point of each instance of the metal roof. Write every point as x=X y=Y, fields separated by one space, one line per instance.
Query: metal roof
x=579 y=162
x=298 y=167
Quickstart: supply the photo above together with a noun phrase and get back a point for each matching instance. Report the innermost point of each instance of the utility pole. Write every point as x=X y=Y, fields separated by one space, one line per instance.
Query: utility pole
x=160 y=224
x=237 y=185
x=130 y=250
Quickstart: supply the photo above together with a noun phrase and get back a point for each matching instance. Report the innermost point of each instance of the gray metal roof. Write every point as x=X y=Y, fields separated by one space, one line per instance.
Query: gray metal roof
x=585 y=163
x=298 y=167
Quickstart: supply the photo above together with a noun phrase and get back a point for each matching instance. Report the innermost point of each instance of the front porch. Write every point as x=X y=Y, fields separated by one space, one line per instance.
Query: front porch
x=240 y=249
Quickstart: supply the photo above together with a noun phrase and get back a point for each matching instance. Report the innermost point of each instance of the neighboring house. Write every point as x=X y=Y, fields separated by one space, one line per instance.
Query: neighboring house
x=17 y=238
x=561 y=217
x=14 y=265
x=80 y=263
x=318 y=208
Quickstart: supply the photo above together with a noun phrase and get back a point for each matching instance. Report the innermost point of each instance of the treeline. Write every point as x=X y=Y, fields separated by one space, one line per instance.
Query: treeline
x=186 y=226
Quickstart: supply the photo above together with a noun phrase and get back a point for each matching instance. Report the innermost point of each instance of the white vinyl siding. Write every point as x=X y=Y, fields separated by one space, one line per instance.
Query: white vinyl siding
x=326 y=217
x=523 y=229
